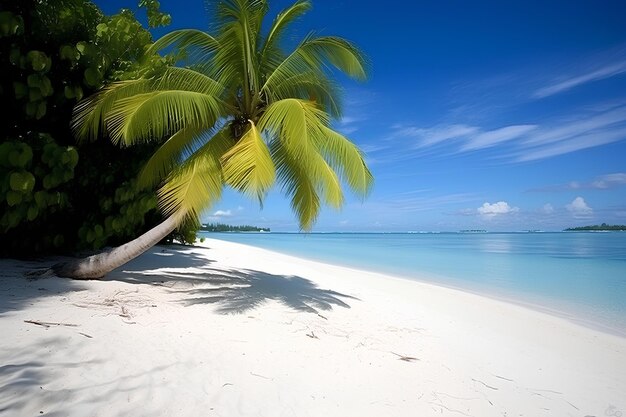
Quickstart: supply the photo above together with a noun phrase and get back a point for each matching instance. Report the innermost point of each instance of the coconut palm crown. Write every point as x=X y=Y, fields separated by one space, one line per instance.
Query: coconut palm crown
x=243 y=112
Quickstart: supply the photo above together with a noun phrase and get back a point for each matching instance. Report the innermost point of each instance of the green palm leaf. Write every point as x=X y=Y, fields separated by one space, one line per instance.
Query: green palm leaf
x=89 y=114
x=313 y=54
x=192 y=42
x=168 y=155
x=293 y=121
x=297 y=183
x=270 y=50
x=147 y=116
x=248 y=166
x=346 y=158
x=196 y=184
x=312 y=86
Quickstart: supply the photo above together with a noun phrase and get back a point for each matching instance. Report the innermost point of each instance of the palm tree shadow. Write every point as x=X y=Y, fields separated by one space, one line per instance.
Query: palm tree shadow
x=193 y=280
x=238 y=291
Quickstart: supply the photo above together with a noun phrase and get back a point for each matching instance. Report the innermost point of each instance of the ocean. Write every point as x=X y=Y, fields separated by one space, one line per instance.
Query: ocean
x=577 y=275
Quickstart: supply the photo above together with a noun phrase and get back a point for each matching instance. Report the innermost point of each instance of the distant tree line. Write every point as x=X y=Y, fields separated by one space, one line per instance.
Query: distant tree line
x=220 y=227
x=598 y=227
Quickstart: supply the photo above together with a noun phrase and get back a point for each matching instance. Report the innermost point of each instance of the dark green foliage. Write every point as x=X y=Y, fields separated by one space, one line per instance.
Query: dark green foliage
x=598 y=227
x=156 y=18
x=56 y=195
x=219 y=227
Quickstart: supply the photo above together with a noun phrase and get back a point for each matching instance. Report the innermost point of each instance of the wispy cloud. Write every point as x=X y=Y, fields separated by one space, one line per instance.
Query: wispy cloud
x=603 y=182
x=606 y=71
x=415 y=202
x=582 y=123
x=349 y=124
x=576 y=143
x=497 y=136
x=436 y=134
x=584 y=129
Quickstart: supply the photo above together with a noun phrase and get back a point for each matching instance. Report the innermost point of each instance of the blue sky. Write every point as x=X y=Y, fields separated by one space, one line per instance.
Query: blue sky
x=477 y=115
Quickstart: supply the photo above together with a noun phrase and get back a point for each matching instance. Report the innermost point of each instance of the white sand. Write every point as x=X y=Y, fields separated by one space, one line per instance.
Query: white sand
x=238 y=331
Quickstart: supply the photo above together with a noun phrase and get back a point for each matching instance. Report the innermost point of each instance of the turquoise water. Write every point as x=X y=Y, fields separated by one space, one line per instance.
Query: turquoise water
x=578 y=275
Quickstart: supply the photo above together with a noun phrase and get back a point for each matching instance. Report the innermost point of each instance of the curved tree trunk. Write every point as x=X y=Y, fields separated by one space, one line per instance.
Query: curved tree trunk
x=97 y=266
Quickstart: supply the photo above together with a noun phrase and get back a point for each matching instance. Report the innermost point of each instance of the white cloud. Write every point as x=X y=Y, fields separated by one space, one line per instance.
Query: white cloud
x=496 y=209
x=579 y=208
x=495 y=137
x=223 y=213
x=547 y=209
x=606 y=71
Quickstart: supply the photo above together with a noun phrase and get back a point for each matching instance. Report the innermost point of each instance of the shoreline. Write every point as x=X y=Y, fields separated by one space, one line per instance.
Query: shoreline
x=438 y=280
x=223 y=328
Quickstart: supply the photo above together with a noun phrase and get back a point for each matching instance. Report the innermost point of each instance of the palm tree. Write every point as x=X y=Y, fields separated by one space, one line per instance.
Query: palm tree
x=243 y=113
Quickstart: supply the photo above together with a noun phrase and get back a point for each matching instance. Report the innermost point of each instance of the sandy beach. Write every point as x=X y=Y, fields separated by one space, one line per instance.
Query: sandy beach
x=222 y=329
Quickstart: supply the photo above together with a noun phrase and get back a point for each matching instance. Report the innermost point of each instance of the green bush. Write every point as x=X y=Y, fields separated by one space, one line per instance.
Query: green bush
x=56 y=195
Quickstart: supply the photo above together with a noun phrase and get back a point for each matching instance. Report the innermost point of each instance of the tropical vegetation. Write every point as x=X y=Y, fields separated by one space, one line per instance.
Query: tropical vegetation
x=597 y=227
x=57 y=196
x=241 y=112
x=221 y=227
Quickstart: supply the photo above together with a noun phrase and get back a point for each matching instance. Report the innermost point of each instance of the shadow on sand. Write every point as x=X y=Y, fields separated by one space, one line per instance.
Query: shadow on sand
x=192 y=278
x=188 y=274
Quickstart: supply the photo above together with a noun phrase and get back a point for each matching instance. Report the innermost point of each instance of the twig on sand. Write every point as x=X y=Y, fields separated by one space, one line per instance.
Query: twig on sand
x=322 y=316
x=405 y=358
x=501 y=377
x=260 y=376
x=481 y=382
x=86 y=335
x=312 y=335
x=47 y=324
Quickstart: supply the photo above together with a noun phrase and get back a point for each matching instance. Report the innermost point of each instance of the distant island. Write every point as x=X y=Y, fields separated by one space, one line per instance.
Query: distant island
x=473 y=231
x=219 y=227
x=597 y=227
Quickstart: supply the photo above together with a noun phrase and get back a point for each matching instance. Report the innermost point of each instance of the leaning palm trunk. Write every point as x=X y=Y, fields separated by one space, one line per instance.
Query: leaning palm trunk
x=97 y=266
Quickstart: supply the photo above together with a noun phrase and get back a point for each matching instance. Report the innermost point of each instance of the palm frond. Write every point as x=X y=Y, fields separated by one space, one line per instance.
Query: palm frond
x=240 y=30
x=295 y=125
x=176 y=78
x=195 y=43
x=314 y=54
x=312 y=86
x=157 y=114
x=327 y=182
x=270 y=49
x=346 y=158
x=293 y=120
x=196 y=184
x=247 y=166
x=168 y=155
x=297 y=183
x=89 y=114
